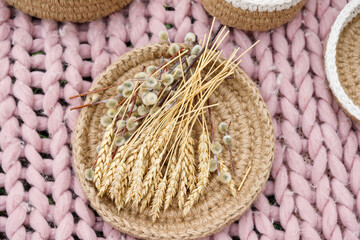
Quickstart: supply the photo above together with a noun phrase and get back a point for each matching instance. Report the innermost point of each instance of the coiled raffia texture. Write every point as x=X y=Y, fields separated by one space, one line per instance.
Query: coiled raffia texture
x=231 y=14
x=313 y=191
x=342 y=57
x=69 y=10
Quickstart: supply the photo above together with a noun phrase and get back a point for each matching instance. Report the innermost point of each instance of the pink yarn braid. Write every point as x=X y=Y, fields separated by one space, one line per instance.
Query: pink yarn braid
x=314 y=188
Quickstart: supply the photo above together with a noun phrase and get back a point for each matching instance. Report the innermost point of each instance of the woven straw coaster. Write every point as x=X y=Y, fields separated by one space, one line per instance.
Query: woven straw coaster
x=342 y=59
x=252 y=131
x=69 y=10
x=255 y=15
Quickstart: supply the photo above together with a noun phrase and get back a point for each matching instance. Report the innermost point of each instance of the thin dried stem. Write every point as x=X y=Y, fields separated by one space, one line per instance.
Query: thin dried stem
x=246 y=174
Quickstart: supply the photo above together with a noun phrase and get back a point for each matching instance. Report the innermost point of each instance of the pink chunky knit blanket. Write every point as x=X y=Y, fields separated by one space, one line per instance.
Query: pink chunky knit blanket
x=314 y=188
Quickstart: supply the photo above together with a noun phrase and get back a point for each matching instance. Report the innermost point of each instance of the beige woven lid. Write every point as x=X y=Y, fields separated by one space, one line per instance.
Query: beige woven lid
x=342 y=59
x=69 y=10
x=253 y=15
x=253 y=135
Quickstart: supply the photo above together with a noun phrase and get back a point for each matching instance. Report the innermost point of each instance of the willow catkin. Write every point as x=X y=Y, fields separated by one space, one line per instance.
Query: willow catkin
x=105 y=148
x=204 y=172
x=158 y=199
x=224 y=168
x=185 y=176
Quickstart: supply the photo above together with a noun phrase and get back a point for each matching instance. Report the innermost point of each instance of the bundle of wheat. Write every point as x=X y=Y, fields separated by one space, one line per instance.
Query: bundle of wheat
x=162 y=143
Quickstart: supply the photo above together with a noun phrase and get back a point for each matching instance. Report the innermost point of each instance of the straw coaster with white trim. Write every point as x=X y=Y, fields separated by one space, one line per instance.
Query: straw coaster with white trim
x=253 y=135
x=253 y=15
x=342 y=59
x=69 y=10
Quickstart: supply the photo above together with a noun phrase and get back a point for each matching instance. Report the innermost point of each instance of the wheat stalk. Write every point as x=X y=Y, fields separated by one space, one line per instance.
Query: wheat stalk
x=244 y=178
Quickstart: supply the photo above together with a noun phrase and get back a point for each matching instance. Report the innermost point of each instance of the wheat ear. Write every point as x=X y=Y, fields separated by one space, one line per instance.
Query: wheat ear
x=116 y=192
x=154 y=170
x=132 y=154
x=103 y=154
x=204 y=172
x=188 y=159
x=137 y=174
x=174 y=180
x=191 y=166
x=156 y=154
x=158 y=199
x=129 y=166
x=109 y=176
x=120 y=181
x=146 y=200
x=119 y=187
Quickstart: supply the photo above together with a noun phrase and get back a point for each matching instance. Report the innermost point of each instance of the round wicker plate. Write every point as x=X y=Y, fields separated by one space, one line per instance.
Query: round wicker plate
x=253 y=134
x=69 y=10
x=342 y=59
x=253 y=15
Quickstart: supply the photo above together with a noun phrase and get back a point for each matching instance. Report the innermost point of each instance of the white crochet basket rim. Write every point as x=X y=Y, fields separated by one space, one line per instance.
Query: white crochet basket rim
x=345 y=16
x=263 y=5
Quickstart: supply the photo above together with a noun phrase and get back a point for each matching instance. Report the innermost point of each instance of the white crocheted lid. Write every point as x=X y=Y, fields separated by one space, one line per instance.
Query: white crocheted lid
x=263 y=5
x=345 y=16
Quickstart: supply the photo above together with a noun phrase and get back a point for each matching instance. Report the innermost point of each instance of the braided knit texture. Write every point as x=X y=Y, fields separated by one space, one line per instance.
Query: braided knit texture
x=314 y=188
